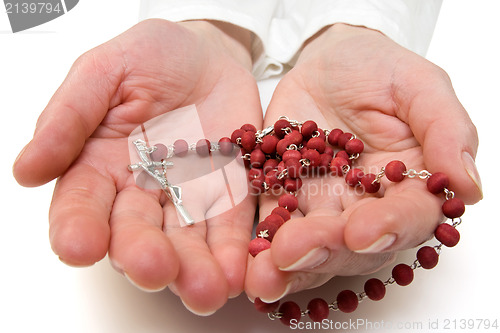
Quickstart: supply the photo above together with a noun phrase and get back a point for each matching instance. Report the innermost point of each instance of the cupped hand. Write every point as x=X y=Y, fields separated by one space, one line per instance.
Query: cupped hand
x=403 y=108
x=81 y=138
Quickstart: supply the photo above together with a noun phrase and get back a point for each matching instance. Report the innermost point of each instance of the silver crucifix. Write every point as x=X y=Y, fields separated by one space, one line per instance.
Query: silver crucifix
x=157 y=170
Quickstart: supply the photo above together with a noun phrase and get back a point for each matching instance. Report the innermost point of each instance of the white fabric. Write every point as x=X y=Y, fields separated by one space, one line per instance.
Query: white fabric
x=282 y=26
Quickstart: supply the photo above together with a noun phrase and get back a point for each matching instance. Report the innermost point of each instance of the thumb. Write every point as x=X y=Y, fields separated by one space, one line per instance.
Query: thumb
x=444 y=129
x=71 y=116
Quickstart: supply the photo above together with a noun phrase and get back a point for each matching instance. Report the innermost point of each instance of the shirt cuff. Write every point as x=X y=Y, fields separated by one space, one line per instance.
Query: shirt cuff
x=409 y=23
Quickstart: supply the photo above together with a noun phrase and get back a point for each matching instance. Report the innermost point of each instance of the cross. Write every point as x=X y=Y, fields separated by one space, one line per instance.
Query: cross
x=173 y=192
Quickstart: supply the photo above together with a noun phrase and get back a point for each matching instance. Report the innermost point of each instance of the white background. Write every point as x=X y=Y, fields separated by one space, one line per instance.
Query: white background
x=39 y=293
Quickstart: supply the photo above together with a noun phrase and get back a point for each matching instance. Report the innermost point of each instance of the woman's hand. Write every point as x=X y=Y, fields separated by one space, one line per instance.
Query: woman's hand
x=403 y=108
x=81 y=138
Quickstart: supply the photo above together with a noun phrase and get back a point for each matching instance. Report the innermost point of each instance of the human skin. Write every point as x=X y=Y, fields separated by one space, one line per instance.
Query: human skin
x=81 y=138
x=402 y=107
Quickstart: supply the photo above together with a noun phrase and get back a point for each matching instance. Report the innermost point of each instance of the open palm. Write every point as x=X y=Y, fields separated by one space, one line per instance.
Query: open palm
x=403 y=108
x=82 y=138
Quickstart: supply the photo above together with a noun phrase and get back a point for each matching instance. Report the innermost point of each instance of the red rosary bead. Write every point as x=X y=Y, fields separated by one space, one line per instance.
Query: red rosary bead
x=369 y=184
x=282 y=146
x=437 y=182
x=427 y=257
x=257 y=245
x=294 y=137
x=270 y=164
x=267 y=229
x=289 y=311
x=272 y=180
x=447 y=234
x=308 y=128
x=333 y=137
x=236 y=135
x=394 y=171
x=249 y=128
x=268 y=144
x=275 y=219
x=285 y=214
x=288 y=201
x=257 y=186
x=292 y=184
x=324 y=163
x=344 y=155
x=354 y=146
x=181 y=148
x=329 y=151
x=255 y=174
x=291 y=154
x=343 y=139
x=293 y=167
x=280 y=126
x=203 y=147
x=374 y=289
x=257 y=158
x=160 y=152
x=337 y=166
x=226 y=147
x=318 y=309
x=313 y=156
x=321 y=134
x=347 y=301
x=353 y=177
x=453 y=208
x=265 y=307
x=248 y=141
x=402 y=274
x=317 y=144
x=281 y=167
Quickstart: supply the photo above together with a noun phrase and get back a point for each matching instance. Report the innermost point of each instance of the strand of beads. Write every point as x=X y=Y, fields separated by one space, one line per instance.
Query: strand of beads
x=181 y=148
x=280 y=155
x=402 y=274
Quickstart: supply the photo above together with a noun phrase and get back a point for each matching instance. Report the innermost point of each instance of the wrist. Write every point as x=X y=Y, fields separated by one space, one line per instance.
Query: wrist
x=231 y=39
x=337 y=33
x=341 y=31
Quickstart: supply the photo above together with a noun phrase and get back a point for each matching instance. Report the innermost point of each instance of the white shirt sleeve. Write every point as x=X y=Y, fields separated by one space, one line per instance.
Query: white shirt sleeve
x=282 y=26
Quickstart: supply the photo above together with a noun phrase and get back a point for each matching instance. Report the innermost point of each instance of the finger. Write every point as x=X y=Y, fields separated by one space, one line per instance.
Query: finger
x=305 y=253
x=269 y=283
x=79 y=213
x=315 y=244
x=201 y=283
x=443 y=127
x=228 y=235
x=406 y=216
x=71 y=116
x=269 y=201
x=139 y=248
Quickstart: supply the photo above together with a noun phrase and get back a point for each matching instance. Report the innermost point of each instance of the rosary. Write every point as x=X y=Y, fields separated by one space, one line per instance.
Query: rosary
x=277 y=157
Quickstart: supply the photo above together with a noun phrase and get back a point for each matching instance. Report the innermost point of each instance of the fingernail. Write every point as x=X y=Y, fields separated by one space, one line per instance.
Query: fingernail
x=234 y=295
x=148 y=290
x=470 y=167
x=202 y=314
x=272 y=300
x=117 y=267
x=21 y=153
x=311 y=260
x=380 y=244
x=74 y=265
